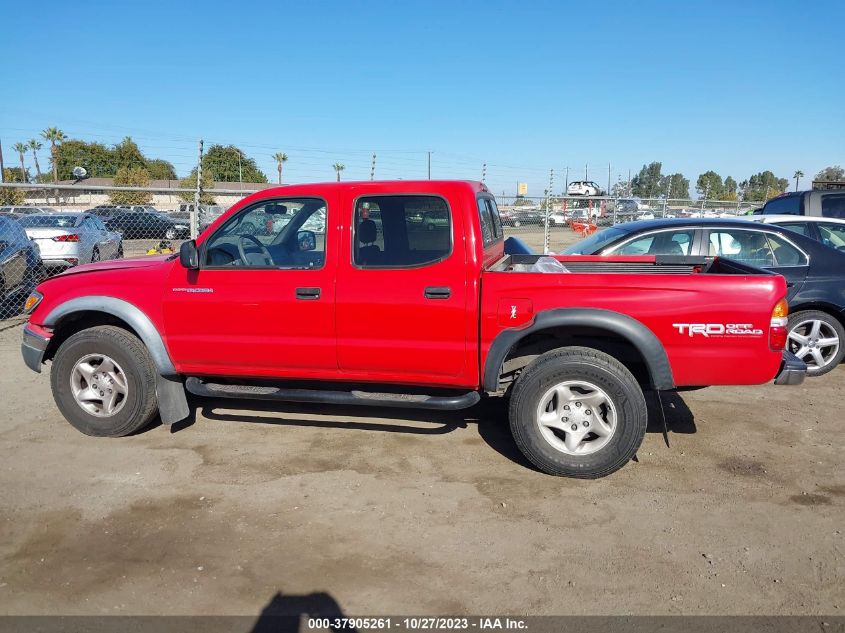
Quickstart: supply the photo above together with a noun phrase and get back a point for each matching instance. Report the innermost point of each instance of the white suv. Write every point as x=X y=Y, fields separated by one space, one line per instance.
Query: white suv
x=583 y=188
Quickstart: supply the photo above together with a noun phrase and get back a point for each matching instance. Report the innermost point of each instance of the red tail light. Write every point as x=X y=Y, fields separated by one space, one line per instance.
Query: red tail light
x=73 y=237
x=778 y=328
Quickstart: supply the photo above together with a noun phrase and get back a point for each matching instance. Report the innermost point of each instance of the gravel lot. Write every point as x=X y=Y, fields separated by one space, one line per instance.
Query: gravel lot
x=382 y=511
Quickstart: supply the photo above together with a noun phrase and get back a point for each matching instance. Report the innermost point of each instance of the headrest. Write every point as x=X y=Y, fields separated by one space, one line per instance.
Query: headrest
x=367 y=232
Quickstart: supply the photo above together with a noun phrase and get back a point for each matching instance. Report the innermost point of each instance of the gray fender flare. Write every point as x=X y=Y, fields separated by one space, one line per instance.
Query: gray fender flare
x=173 y=404
x=642 y=338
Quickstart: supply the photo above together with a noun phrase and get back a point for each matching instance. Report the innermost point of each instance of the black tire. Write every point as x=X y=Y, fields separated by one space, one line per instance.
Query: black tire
x=119 y=251
x=170 y=234
x=128 y=351
x=599 y=369
x=803 y=316
x=95 y=255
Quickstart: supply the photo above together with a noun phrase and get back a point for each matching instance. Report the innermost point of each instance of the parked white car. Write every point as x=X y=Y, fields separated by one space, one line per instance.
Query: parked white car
x=583 y=188
x=645 y=215
x=68 y=239
x=828 y=231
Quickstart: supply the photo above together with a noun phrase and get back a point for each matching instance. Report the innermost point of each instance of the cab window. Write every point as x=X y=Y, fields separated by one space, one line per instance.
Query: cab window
x=401 y=231
x=281 y=233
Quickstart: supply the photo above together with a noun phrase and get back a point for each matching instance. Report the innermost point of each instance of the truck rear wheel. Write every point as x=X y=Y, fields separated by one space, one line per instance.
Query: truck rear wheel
x=577 y=412
x=103 y=382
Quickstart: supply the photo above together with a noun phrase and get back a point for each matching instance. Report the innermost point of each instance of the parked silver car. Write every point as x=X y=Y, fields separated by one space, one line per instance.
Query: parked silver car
x=68 y=239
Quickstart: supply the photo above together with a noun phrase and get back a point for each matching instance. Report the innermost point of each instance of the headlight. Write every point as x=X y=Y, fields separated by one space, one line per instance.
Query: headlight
x=180 y=226
x=32 y=301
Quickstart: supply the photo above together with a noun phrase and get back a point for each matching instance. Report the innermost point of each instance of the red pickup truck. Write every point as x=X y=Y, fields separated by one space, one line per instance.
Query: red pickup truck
x=339 y=293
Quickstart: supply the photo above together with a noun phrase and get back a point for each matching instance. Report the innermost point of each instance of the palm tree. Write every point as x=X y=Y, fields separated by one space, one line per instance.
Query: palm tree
x=55 y=136
x=35 y=146
x=339 y=167
x=798 y=174
x=21 y=149
x=281 y=158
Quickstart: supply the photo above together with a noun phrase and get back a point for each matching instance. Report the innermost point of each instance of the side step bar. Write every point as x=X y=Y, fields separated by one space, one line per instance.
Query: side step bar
x=403 y=400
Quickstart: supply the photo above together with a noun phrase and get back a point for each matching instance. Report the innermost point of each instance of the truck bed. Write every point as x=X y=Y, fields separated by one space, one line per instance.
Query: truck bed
x=633 y=264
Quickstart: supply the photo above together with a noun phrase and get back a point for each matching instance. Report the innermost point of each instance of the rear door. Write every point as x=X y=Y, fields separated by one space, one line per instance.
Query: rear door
x=401 y=290
x=763 y=249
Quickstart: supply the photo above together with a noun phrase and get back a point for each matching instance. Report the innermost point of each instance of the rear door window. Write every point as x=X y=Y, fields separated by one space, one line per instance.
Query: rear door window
x=832 y=235
x=799 y=227
x=833 y=206
x=401 y=231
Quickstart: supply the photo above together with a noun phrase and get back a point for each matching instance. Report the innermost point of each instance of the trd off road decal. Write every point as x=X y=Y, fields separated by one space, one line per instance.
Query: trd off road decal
x=718 y=329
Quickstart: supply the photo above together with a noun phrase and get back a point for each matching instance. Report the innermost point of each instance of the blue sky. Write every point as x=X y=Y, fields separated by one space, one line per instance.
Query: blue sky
x=737 y=87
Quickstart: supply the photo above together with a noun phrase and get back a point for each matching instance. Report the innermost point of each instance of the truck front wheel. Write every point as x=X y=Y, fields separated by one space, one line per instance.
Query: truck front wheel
x=577 y=412
x=103 y=382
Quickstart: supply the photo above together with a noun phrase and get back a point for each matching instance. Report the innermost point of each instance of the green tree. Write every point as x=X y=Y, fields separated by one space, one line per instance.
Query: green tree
x=227 y=163
x=762 y=186
x=10 y=196
x=729 y=189
x=834 y=173
x=281 y=158
x=797 y=175
x=160 y=169
x=35 y=146
x=646 y=184
x=674 y=186
x=128 y=154
x=55 y=136
x=190 y=182
x=709 y=185
x=131 y=177
x=21 y=149
x=338 y=167
x=97 y=159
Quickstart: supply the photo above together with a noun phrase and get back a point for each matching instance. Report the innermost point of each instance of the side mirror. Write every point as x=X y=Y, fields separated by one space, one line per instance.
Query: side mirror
x=189 y=256
x=307 y=240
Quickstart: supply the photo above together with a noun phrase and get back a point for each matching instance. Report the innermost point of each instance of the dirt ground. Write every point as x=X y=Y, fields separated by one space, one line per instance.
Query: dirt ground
x=379 y=511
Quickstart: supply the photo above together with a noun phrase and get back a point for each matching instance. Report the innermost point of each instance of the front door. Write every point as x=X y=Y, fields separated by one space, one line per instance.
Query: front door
x=262 y=302
x=402 y=296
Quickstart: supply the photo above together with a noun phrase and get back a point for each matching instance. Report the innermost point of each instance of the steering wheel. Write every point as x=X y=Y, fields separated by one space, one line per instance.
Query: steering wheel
x=268 y=259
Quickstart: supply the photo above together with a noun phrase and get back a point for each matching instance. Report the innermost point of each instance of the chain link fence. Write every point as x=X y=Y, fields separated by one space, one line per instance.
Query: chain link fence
x=45 y=230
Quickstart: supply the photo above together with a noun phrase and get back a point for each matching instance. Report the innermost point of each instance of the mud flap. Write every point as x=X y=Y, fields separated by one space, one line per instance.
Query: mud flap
x=662 y=416
x=172 y=402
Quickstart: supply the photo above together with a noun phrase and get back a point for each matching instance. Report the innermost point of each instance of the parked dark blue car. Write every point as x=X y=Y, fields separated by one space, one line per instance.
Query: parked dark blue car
x=815 y=273
x=20 y=267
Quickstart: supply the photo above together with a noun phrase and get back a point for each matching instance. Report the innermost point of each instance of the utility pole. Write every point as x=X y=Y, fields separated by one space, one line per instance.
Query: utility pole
x=2 y=175
x=373 y=169
x=429 y=165
x=566 y=186
x=240 y=171
x=483 y=172
x=196 y=210
x=628 y=188
x=548 y=211
x=608 y=179
x=586 y=177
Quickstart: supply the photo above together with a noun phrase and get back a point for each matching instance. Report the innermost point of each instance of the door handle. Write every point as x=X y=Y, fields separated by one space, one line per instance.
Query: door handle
x=308 y=294
x=438 y=292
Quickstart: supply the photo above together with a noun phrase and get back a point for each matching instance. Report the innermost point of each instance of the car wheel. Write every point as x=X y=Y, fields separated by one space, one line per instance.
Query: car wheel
x=577 y=412
x=818 y=339
x=103 y=382
x=119 y=254
x=170 y=234
x=95 y=255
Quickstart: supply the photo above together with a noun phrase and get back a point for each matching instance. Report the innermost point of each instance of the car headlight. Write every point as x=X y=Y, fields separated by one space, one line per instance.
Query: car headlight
x=32 y=301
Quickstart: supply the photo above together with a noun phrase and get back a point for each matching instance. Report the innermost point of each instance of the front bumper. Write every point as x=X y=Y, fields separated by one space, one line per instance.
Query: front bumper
x=32 y=348
x=793 y=370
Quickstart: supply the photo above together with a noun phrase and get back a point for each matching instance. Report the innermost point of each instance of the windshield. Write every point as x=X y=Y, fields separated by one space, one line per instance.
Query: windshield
x=45 y=221
x=596 y=241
